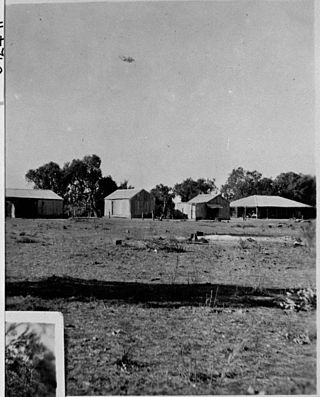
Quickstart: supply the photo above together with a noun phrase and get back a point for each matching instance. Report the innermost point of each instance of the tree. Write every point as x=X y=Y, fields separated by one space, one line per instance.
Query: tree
x=241 y=183
x=125 y=185
x=297 y=187
x=286 y=185
x=266 y=187
x=76 y=195
x=82 y=178
x=106 y=186
x=29 y=365
x=164 y=205
x=79 y=182
x=49 y=176
x=190 y=188
x=93 y=176
x=307 y=189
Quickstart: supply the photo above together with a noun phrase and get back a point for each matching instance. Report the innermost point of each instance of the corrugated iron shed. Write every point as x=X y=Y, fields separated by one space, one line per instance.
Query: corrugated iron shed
x=41 y=194
x=267 y=201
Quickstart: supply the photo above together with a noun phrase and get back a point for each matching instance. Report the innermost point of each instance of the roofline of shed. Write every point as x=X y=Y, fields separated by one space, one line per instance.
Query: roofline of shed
x=205 y=194
x=125 y=198
x=34 y=198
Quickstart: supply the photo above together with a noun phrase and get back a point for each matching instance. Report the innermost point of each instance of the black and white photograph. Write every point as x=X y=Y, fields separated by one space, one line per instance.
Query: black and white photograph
x=160 y=193
x=34 y=358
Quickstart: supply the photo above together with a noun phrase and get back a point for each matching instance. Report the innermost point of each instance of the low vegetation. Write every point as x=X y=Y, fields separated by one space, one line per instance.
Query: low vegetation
x=120 y=348
x=29 y=365
x=207 y=346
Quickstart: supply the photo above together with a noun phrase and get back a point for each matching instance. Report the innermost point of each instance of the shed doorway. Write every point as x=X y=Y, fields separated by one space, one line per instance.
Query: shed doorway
x=213 y=211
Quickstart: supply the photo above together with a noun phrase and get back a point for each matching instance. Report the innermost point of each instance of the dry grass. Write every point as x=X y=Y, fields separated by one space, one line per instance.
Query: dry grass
x=117 y=348
x=85 y=249
x=121 y=348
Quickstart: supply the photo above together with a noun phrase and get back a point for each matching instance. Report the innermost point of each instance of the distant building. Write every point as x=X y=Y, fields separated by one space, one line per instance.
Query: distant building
x=33 y=203
x=271 y=207
x=129 y=203
x=205 y=206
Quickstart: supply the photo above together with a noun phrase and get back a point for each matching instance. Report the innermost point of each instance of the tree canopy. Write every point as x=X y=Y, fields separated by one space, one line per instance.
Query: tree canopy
x=190 y=188
x=242 y=183
x=125 y=185
x=29 y=365
x=164 y=205
x=48 y=176
x=82 y=180
x=79 y=182
x=297 y=187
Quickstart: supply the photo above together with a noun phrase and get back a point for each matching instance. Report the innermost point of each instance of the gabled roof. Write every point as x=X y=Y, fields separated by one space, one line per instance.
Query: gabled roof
x=123 y=194
x=32 y=194
x=267 y=201
x=202 y=198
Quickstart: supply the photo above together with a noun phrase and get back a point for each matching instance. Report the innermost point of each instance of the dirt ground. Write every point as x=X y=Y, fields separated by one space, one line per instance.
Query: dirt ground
x=124 y=347
x=86 y=249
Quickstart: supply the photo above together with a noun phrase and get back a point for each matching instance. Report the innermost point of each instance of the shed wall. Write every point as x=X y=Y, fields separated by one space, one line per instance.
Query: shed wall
x=223 y=213
x=201 y=211
x=34 y=208
x=49 y=208
x=117 y=208
x=142 y=204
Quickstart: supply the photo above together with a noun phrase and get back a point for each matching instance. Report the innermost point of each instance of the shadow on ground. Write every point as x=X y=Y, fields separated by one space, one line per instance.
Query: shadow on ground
x=217 y=295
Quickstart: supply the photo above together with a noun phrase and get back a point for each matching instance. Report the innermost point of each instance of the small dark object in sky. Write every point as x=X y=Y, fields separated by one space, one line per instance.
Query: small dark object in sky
x=127 y=59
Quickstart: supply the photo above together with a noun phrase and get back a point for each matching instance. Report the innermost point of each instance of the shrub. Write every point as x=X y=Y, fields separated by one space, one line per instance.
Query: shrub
x=243 y=244
x=177 y=214
x=27 y=240
x=302 y=300
x=29 y=366
x=170 y=245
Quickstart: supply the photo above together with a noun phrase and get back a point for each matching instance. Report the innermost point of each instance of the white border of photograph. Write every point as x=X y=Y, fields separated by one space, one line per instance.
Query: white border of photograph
x=2 y=217
x=46 y=318
x=317 y=158
x=57 y=318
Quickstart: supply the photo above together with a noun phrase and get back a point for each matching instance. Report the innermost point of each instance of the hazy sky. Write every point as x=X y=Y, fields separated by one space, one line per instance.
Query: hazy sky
x=214 y=85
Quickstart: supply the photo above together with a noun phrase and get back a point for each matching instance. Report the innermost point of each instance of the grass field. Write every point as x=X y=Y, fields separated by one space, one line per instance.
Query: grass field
x=122 y=346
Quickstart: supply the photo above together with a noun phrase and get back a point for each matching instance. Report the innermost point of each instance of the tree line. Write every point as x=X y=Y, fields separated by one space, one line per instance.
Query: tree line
x=83 y=187
x=298 y=187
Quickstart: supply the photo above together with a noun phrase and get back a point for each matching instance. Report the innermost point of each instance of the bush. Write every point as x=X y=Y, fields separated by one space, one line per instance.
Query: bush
x=170 y=245
x=27 y=240
x=302 y=300
x=29 y=366
x=177 y=214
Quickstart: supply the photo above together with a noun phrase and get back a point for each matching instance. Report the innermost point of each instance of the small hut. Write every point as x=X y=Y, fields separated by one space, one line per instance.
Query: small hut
x=33 y=203
x=129 y=203
x=206 y=206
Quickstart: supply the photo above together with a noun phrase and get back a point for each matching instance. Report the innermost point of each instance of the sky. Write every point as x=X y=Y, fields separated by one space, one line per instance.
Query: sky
x=214 y=85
